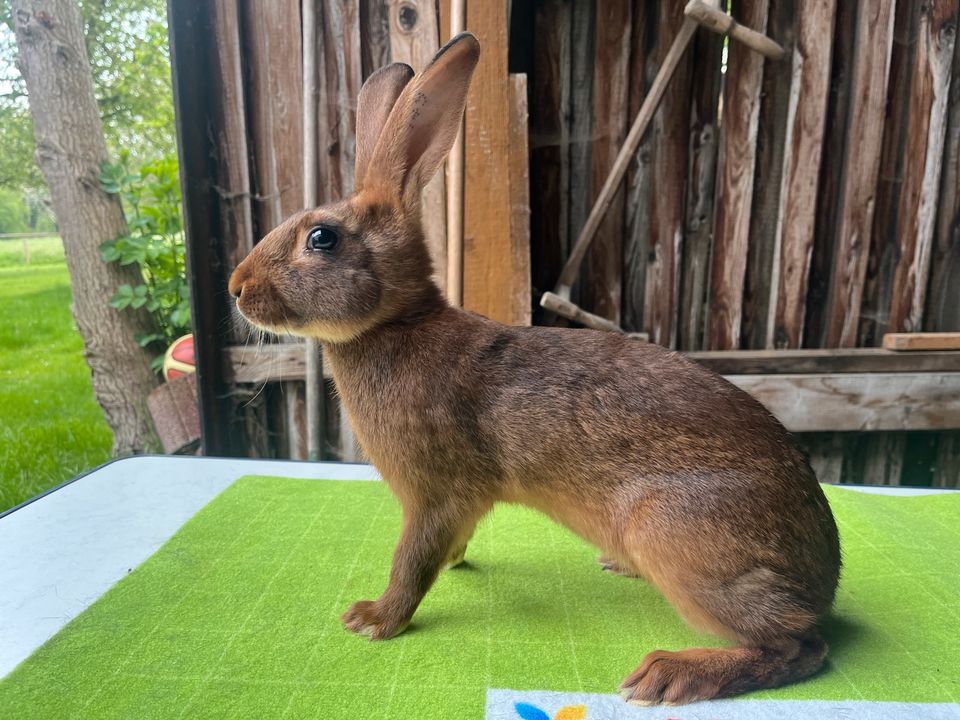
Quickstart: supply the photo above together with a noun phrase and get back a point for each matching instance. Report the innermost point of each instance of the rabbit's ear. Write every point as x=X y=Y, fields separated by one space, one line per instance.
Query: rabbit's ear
x=377 y=98
x=424 y=121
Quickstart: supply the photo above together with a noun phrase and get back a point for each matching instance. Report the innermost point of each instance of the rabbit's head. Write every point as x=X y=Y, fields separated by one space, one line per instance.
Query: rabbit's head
x=335 y=271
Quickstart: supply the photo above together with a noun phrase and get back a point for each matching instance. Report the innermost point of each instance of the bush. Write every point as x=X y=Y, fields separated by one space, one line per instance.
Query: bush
x=151 y=201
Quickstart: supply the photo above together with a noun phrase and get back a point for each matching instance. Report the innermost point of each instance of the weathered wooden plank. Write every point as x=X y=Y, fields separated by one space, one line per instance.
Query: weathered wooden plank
x=579 y=191
x=943 y=309
x=829 y=195
x=741 y=102
x=340 y=77
x=946 y=472
x=797 y=214
x=414 y=39
x=922 y=341
x=671 y=140
x=825 y=455
x=858 y=401
x=884 y=239
x=639 y=189
x=374 y=35
x=486 y=279
x=871 y=62
x=257 y=364
x=520 y=294
x=882 y=459
x=275 y=100
x=549 y=139
x=851 y=360
x=701 y=182
x=923 y=161
x=775 y=96
x=603 y=266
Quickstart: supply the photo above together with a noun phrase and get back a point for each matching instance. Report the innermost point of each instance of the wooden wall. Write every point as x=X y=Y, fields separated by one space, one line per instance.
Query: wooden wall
x=807 y=203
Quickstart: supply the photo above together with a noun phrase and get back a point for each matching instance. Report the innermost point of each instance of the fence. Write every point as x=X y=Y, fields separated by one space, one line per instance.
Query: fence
x=773 y=206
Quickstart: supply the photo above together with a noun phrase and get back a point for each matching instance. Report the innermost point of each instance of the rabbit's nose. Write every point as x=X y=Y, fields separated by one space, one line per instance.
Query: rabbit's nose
x=236 y=289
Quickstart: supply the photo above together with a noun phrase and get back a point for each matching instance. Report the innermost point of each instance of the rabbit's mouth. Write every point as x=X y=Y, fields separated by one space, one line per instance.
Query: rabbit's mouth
x=268 y=312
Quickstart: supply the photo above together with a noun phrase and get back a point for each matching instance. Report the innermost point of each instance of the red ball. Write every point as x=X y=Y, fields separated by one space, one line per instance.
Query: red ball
x=179 y=360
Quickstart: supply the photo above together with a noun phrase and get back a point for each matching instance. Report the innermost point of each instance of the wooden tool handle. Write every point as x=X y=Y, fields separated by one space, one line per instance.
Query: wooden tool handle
x=718 y=21
x=565 y=308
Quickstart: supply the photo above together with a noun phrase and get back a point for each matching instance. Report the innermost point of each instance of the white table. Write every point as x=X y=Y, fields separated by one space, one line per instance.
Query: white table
x=64 y=549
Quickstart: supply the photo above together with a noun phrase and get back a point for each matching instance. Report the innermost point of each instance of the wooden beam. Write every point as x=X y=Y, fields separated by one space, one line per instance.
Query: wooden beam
x=269 y=363
x=853 y=360
x=797 y=215
x=858 y=401
x=741 y=102
x=871 y=63
x=486 y=234
x=922 y=341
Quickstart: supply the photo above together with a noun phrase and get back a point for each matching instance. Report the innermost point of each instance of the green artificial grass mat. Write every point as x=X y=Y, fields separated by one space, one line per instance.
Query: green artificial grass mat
x=51 y=427
x=237 y=615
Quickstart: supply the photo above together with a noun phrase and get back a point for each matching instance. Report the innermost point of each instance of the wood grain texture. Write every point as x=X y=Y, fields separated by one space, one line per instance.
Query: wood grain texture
x=549 y=141
x=602 y=270
x=797 y=212
x=644 y=35
x=923 y=161
x=871 y=62
x=858 y=402
x=921 y=341
x=374 y=35
x=825 y=361
x=701 y=183
x=520 y=293
x=946 y=472
x=670 y=143
x=275 y=80
x=414 y=39
x=741 y=101
x=487 y=241
x=943 y=309
x=830 y=185
x=771 y=144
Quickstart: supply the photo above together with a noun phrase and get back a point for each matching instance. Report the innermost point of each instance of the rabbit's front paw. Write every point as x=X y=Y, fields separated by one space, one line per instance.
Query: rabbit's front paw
x=366 y=617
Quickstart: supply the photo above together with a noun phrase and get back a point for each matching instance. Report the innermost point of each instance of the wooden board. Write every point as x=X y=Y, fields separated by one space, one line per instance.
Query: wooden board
x=871 y=62
x=520 y=294
x=797 y=214
x=874 y=401
x=922 y=341
x=852 y=360
x=701 y=183
x=414 y=39
x=602 y=268
x=670 y=143
x=741 y=102
x=923 y=157
x=487 y=239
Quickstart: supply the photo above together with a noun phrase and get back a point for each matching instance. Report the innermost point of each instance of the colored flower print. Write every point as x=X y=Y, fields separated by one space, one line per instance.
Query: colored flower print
x=569 y=712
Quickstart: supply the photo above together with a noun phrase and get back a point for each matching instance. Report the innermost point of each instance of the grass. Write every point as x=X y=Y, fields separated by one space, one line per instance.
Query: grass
x=51 y=427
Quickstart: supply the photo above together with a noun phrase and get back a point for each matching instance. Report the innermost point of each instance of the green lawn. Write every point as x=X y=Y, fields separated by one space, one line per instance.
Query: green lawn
x=50 y=425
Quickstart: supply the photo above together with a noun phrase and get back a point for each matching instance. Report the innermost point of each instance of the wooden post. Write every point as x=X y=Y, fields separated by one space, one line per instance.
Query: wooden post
x=520 y=293
x=797 y=214
x=735 y=185
x=871 y=63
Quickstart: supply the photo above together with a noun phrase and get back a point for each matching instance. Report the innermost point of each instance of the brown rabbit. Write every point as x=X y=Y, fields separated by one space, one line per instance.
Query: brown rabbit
x=677 y=475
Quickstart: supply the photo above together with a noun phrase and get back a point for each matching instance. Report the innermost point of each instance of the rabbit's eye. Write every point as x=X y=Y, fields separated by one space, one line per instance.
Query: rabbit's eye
x=322 y=238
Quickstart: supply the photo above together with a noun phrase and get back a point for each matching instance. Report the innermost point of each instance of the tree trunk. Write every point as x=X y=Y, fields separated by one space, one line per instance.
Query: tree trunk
x=70 y=150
